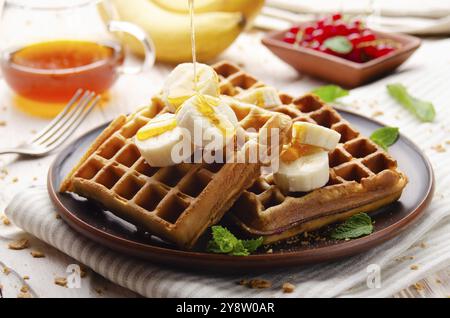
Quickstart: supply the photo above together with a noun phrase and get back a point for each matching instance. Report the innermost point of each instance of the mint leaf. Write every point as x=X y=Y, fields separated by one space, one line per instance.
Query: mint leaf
x=421 y=109
x=356 y=226
x=224 y=242
x=385 y=136
x=252 y=245
x=329 y=93
x=339 y=44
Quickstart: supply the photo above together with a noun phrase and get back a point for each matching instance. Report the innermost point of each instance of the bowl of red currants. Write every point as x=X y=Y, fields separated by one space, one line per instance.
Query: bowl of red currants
x=341 y=51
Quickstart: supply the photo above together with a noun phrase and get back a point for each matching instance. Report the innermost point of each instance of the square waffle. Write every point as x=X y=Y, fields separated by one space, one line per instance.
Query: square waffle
x=363 y=177
x=177 y=203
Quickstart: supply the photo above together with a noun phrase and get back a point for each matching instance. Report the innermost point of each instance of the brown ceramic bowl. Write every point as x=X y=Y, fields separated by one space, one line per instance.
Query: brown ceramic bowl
x=339 y=70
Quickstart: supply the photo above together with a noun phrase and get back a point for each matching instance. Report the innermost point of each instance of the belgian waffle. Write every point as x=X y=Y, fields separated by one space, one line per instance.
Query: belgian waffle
x=363 y=177
x=177 y=203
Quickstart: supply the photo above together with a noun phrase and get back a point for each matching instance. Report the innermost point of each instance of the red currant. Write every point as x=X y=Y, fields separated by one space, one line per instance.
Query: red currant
x=289 y=37
x=341 y=29
x=309 y=30
x=294 y=29
x=336 y=16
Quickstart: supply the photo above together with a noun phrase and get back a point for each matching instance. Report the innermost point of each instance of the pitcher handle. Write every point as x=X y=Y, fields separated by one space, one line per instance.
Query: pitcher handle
x=138 y=33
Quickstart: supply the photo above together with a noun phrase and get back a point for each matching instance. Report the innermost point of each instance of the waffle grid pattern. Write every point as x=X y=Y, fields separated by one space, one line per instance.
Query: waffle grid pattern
x=355 y=158
x=161 y=200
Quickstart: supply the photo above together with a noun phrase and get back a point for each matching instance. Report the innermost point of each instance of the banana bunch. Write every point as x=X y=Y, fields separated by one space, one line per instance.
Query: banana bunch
x=217 y=24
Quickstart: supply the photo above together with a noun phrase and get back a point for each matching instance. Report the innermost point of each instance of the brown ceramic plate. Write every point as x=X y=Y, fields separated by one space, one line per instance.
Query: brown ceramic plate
x=338 y=70
x=103 y=227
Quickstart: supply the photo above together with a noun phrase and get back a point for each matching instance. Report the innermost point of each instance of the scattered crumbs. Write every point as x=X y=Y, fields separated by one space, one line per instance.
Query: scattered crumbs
x=6 y=271
x=288 y=288
x=35 y=178
x=25 y=289
x=24 y=295
x=258 y=283
x=33 y=131
x=377 y=113
x=19 y=244
x=57 y=216
x=439 y=148
x=404 y=258
x=448 y=142
x=438 y=281
x=37 y=254
x=423 y=245
x=61 y=281
x=2 y=123
x=269 y=251
x=83 y=272
x=15 y=180
x=418 y=287
x=26 y=277
x=414 y=267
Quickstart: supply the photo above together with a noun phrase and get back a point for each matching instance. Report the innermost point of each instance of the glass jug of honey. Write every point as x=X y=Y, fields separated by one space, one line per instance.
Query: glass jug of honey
x=51 y=48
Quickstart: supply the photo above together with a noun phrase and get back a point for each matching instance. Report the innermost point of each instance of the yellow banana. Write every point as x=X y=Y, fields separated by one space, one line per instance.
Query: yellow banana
x=170 y=31
x=250 y=8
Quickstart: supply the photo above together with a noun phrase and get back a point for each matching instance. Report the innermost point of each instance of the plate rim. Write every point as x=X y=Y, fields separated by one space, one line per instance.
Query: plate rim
x=287 y=258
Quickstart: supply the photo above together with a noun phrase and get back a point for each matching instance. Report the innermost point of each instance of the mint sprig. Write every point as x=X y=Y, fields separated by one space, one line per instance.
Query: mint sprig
x=224 y=242
x=385 y=136
x=421 y=109
x=356 y=226
x=329 y=93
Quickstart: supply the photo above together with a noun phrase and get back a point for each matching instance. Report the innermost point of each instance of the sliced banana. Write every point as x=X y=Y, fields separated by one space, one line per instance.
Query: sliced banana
x=210 y=122
x=162 y=143
x=180 y=84
x=314 y=135
x=266 y=97
x=304 y=174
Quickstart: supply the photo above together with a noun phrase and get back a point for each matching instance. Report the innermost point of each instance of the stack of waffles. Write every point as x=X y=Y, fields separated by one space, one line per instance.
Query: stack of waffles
x=180 y=202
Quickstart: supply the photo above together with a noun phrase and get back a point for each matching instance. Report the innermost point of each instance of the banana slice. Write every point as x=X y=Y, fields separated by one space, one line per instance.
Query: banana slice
x=308 y=172
x=158 y=139
x=266 y=97
x=180 y=85
x=210 y=121
x=315 y=135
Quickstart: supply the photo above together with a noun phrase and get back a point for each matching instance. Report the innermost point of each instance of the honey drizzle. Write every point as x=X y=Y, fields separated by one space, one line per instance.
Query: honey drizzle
x=193 y=43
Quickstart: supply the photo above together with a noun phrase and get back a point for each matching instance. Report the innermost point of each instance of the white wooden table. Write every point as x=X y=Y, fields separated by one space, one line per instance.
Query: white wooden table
x=130 y=92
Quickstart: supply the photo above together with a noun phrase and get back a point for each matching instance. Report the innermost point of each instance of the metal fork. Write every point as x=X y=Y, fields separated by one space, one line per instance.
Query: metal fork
x=60 y=128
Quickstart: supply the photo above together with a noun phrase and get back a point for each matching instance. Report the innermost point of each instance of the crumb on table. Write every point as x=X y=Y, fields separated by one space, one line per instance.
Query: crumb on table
x=6 y=271
x=288 y=288
x=37 y=254
x=61 y=281
x=5 y=220
x=24 y=295
x=256 y=283
x=418 y=287
x=19 y=244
